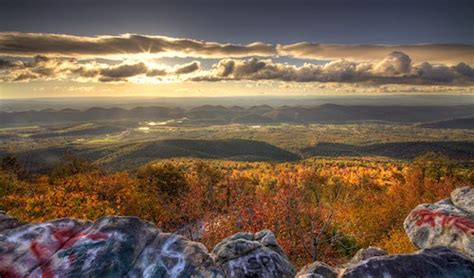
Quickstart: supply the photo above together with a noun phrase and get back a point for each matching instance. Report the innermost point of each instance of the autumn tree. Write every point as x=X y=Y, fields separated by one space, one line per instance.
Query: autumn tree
x=11 y=165
x=164 y=179
x=71 y=165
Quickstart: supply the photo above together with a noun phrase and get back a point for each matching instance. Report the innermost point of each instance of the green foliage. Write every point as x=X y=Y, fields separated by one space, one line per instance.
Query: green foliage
x=72 y=165
x=434 y=166
x=10 y=164
x=164 y=179
x=9 y=184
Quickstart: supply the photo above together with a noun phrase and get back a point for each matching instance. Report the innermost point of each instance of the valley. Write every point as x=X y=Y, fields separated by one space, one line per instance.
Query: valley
x=119 y=139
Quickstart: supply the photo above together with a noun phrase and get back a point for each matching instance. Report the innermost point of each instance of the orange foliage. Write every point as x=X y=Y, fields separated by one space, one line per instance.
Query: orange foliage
x=318 y=209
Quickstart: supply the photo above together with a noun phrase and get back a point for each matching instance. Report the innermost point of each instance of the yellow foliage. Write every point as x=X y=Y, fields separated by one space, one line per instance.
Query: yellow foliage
x=317 y=208
x=397 y=242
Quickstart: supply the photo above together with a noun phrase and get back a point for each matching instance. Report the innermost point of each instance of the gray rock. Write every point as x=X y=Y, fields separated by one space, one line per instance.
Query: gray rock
x=439 y=262
x=463 y=198
x=193 y=231
x=317 y=270
x=441 y=224
x=7 y=222
x=252 y=255
x=365 y=253
x=110 y=247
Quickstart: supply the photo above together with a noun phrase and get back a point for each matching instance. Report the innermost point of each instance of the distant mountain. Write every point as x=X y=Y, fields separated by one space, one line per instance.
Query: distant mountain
x=45 y=117
x=398 y=150
x=217 y=114
x=461 y=123
x=332 y=113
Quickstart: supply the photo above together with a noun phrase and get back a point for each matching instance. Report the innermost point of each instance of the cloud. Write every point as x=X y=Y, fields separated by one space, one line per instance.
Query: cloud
x=44 y=68
x=29 y=44
x=156 y=72
x=188 y=68
x=40 y=67
x=435 y=53
x=395 y=63
x=119 y=46
x=396 y=68
x=4 y=64
x=123 y=71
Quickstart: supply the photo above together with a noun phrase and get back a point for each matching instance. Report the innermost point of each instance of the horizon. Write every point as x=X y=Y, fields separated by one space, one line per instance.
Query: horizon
x=129 y=102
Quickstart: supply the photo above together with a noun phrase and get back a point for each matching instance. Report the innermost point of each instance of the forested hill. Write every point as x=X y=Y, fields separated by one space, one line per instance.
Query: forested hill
x=460 y=123
x=131 y=155
x=398 y=150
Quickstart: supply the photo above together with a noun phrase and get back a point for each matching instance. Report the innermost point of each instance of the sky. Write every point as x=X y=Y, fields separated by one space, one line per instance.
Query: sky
x=51 y=48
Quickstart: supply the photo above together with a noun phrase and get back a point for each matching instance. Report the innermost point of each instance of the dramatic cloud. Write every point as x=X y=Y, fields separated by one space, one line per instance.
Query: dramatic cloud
x=120 y=46
x=30 y=44
x=434 y=53
x=5 y=64
x=396 y=68
x=394 y=64
x=121 y=72
x=188 y=68
x=44 y=68
x=39 y=68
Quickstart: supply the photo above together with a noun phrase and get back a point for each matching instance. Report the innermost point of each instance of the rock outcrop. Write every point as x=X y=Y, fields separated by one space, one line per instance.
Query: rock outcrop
x=110 y=247
x=440 y=262
x=7 y=222
x=445 y=233
x=317 y=270
x=463 y=198
x=366 y=253
x=116 y=246
x=448 y=222
x=252 y=255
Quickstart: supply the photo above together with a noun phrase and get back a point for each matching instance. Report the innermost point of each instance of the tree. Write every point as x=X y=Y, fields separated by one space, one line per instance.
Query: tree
x=208 y=178
x=72 y=165
x=10 y=164
x=166 y=179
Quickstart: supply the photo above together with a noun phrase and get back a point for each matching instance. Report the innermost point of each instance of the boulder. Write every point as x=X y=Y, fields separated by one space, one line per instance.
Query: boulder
x=7 y=222
x=317 y=270
x=252 y=255
x=111 y=247
x=441 y=224
x=365 y=253
x=440 y=262
x=463 y=198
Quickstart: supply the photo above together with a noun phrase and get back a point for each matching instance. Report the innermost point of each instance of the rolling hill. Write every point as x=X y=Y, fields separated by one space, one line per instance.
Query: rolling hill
x=460 y=123
x=131 y=155
x=397 y=150
x=232 y=149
